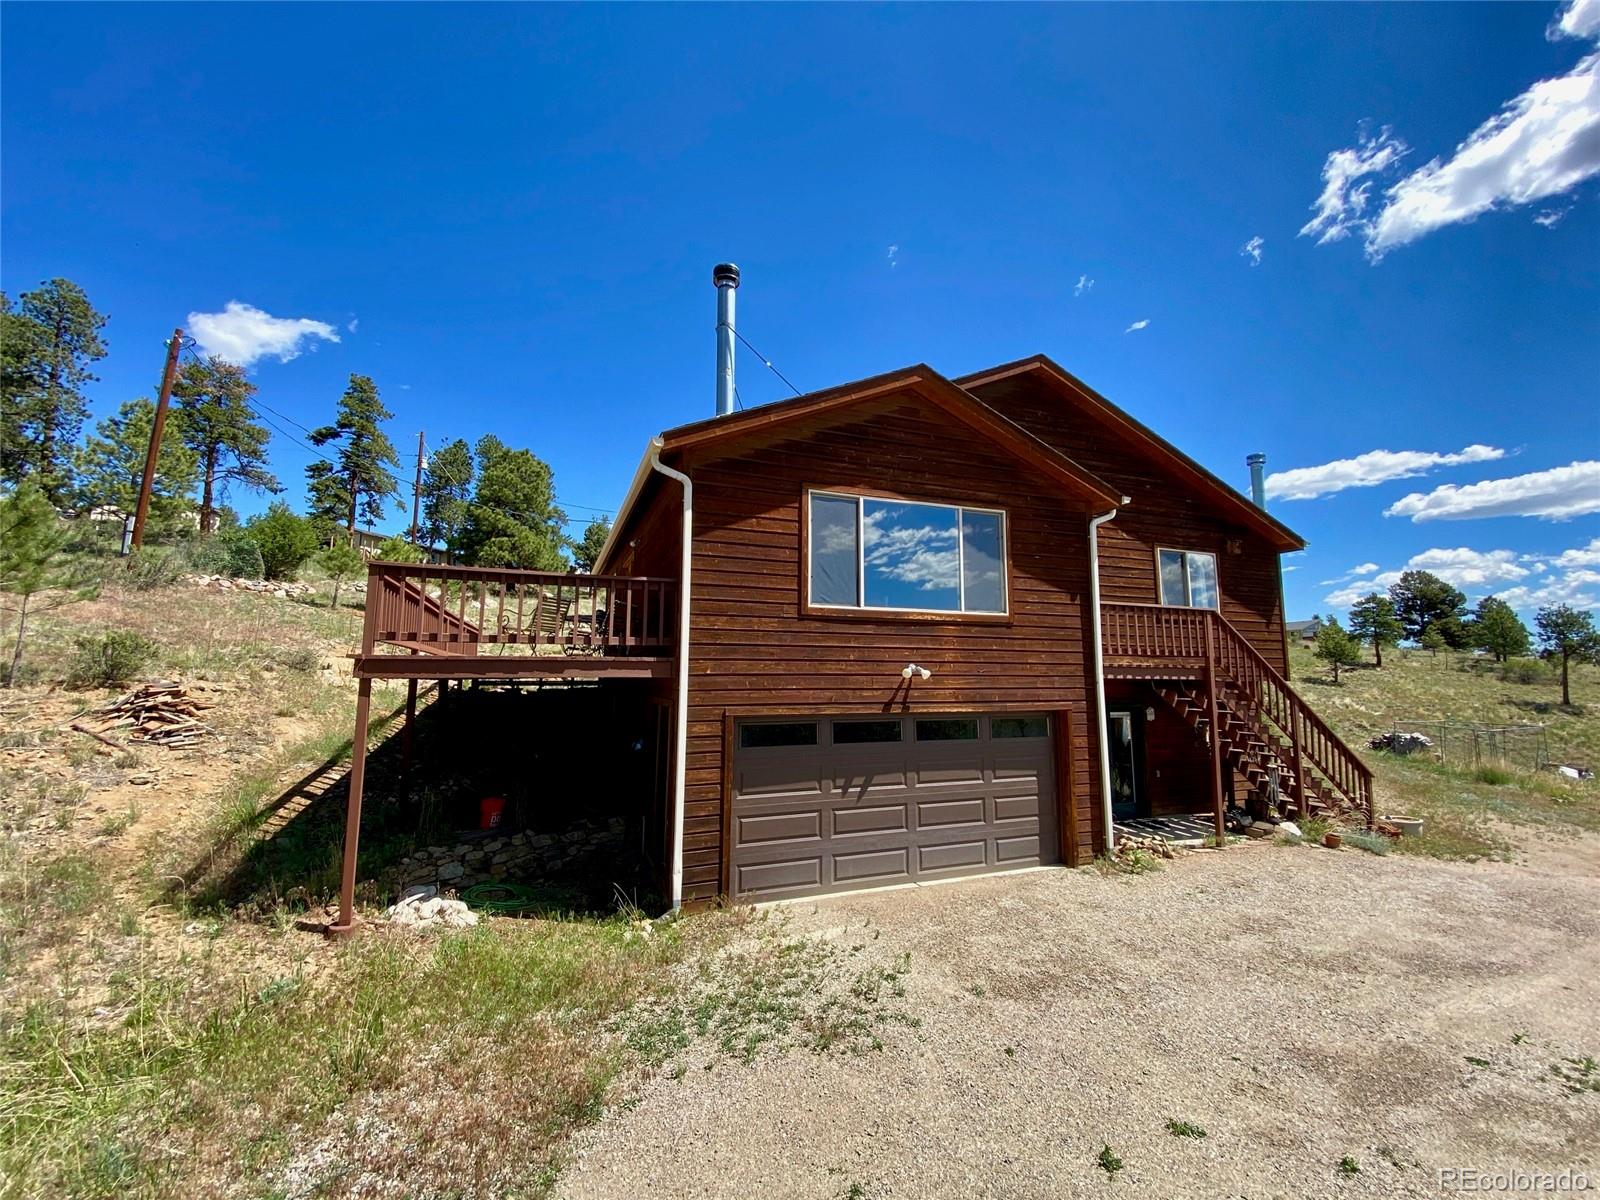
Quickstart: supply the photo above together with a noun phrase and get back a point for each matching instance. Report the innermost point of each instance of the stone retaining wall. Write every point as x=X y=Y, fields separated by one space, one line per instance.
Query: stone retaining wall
x=516 y=856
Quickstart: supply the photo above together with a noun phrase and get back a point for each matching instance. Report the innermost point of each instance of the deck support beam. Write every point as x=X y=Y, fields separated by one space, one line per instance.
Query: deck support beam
x=1213 y=710
x=352 y=820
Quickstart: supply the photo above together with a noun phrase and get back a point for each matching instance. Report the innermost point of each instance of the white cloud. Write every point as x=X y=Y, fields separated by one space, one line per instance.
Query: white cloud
x=1555 y=495
x=1083 y=285
x=1343 y=203
x=354 y=321
x=243 y=334
x=1542 y=143
x=1355 y=572
x=1551 y=218
x=1580 y=19
x=1252 y=250
x=1368 y=470
x=1580 y=588
x=1581 y=556
x=894 y=256
x=1469 y=568
x=1351 y=592
x=1533 y=584
x=1140 y=324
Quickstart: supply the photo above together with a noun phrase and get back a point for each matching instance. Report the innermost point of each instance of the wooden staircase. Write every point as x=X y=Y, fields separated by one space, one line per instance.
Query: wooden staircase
x=1289 y=758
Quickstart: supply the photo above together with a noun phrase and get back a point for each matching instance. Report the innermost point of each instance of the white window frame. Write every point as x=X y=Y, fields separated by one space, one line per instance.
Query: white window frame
x=861 y=605
x=1188 y=591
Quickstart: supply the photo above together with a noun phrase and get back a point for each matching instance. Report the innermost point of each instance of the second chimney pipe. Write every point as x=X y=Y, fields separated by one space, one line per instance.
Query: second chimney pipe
x=726 y=277
x=1258 y=484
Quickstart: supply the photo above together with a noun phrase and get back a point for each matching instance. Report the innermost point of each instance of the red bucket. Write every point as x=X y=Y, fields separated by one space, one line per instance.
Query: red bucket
x=490 y=810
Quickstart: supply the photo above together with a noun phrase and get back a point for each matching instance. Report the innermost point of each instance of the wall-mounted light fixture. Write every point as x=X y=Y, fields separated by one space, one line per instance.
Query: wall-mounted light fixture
x=911 y=669
x=1150 y=714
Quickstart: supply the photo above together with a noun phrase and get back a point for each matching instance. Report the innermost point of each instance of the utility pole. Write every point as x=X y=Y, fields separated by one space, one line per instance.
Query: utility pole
x=156 y=428
x=416 y=496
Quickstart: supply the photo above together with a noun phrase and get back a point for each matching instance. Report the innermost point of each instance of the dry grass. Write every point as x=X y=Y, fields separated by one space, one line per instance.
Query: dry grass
x=1469 y=812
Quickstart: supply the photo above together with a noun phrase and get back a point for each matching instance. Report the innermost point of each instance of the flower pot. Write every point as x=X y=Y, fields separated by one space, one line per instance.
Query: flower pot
x=1408 y=826
x=1332 y=841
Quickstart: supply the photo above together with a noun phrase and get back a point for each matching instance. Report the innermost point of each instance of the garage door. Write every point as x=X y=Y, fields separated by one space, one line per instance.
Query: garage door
x=825 y=804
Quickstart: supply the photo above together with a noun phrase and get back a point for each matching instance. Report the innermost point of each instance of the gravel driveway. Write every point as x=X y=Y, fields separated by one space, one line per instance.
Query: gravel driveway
x=1300 y=1005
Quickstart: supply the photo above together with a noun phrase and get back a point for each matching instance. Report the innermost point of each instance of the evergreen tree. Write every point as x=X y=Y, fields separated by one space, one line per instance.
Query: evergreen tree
x=1433 y=641
x=362 y=483
x=513 y=520
x=1568 y=634
x=586 y=553
x=1422 y=599
x=340 y=560
x=1496 y=628
x=1372 y=619
x=111 y=465
x=446 y=494
x=1336 y=647
x=34 y=563
x=221 y=428
x=284 y=539
x=51 y=338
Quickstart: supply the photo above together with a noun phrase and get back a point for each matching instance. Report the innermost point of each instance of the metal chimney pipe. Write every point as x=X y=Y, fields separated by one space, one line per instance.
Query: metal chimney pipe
x=1257 y=463
x=726 y=277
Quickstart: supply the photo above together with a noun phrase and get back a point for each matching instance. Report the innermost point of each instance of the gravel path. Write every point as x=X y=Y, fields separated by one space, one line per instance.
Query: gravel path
x=1300 y=1005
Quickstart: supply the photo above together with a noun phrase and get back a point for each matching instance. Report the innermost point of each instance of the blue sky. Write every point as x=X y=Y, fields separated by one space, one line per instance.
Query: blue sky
x=507 y=216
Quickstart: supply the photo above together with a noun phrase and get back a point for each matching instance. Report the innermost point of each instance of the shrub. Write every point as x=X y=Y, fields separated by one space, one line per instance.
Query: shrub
x=296 y=658
x=1524 y=670
x=284 y=540
x=1374 y=843
x=231 y=553
x=110 y=658
x=151 y=567
x=1496 y=776
x=397 y=549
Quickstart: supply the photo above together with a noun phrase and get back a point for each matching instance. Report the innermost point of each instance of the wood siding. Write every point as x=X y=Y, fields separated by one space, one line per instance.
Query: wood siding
x=754 y=651
x=1165 y=513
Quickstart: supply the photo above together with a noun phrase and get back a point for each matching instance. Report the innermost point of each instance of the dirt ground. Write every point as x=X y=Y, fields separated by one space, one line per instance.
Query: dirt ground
x=1305 y=1007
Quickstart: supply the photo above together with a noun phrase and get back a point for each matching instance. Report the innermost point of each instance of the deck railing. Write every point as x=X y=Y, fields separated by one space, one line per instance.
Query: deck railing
x=435 y=609
x=1201 y=638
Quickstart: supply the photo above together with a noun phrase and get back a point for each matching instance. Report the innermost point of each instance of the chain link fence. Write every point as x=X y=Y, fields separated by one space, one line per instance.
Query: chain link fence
x=1469 y=746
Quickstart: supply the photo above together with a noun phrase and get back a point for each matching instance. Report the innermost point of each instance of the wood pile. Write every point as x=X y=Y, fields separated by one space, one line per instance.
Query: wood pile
x=162 y=713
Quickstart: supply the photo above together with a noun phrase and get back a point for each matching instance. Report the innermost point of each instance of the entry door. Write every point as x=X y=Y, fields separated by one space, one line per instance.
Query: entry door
x=1124 y=765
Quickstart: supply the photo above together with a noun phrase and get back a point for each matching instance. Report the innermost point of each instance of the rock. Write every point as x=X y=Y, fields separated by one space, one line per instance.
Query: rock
x=451 y=870
x=1290 y=828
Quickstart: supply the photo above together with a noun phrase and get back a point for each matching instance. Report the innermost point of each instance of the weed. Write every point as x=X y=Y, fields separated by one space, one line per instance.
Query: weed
x=1348 y=1166
x=1577 y=1075
x=1313 y=829
x=1494 y=776
x=1373 y=843
x=1518 y=1038
x=1185 y=1129
x=978 y=990
x=1477 y=1062
x=1108 y=1161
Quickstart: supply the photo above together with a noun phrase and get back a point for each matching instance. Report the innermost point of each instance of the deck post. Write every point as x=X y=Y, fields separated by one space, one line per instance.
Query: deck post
x=1215 y=712
x=352 y=819
x=411 y=713
x=1296 y=733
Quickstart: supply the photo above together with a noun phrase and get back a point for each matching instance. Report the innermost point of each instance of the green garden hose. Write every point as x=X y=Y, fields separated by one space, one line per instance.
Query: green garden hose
x=499 y=897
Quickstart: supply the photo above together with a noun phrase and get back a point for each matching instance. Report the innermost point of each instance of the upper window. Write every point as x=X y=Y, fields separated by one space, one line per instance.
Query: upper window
x=1188 y=578
x=896 y=554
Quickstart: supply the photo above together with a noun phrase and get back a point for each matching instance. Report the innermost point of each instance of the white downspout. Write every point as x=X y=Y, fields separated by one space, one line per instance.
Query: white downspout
x=1100 y=674
x=680 y=718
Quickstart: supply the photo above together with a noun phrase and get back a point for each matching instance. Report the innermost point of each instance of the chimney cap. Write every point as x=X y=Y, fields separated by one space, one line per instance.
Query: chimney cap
x=1255 y=460
x=725 y=275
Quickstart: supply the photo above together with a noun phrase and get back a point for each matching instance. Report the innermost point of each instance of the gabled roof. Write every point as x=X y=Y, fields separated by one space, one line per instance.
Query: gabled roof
x=924 y=382
x=1074 y=391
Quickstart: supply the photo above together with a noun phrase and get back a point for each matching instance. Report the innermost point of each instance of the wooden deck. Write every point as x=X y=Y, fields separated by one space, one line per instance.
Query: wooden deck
x=428 y=621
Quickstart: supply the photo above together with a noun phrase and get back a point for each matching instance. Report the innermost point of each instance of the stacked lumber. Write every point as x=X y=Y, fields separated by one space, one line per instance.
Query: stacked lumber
x=162 y=713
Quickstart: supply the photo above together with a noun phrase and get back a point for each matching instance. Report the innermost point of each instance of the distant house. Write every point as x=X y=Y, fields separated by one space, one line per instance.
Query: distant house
x=1304 y=631
x=368 y=540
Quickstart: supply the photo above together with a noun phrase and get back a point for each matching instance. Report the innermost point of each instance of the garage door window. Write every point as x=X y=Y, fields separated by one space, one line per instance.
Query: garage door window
x=856 y=733
x=949 y=729
x=1020 y=727
x=786 y=733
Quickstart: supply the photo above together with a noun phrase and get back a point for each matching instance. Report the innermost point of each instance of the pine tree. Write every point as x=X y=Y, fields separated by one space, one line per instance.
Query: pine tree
x=1433 y=641
x=1372 y=619
x=110 y=465
x=1336 y=647
x=222 y=430
x=51 y=337
x=1422 y=599
x=33 y=561
x=1496 y=628
x=1568 y=634
x=586 y=553
x=362 y=483
x=340 y=560
x=446 y=493
x=513 y=520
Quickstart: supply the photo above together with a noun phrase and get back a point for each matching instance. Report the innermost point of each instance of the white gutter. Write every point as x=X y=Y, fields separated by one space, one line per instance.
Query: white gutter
x=680 y=721
x=1100 y=673
x=603 y=558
